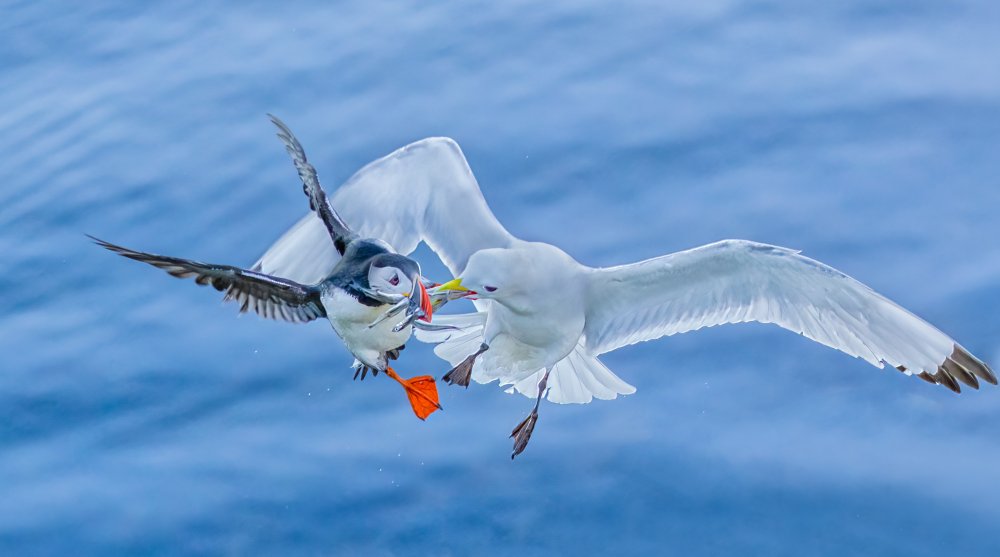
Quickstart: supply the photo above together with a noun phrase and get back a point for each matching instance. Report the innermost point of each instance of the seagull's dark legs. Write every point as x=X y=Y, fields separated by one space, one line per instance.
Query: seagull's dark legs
x=522 y=433
x=462 y=373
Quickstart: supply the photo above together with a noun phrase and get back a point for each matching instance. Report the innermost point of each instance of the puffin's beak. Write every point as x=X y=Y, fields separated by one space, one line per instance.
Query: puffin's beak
x=419 y=299
x=425 y=302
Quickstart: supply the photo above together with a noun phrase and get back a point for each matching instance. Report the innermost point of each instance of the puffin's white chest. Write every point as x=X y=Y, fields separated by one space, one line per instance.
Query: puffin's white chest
x=350 y=319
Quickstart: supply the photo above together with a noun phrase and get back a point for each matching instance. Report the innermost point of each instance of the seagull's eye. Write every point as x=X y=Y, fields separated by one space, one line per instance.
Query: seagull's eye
x=490 y=288
x=394 y=280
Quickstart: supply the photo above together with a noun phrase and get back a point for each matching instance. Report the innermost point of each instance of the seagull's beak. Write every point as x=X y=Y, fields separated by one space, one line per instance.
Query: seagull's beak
x=454 y=285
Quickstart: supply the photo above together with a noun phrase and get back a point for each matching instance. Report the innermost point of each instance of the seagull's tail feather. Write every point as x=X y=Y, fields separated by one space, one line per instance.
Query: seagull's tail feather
x=576 y=379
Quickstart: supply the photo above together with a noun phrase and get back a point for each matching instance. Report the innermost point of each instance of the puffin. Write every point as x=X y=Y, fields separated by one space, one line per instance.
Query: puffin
x=370 y=284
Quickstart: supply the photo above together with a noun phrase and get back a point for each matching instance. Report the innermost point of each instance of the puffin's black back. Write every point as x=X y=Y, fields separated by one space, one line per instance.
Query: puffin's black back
x=351 y=272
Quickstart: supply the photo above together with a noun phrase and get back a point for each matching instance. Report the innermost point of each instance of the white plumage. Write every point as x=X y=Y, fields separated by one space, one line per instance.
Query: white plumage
x=735 y=281
x=424 y=191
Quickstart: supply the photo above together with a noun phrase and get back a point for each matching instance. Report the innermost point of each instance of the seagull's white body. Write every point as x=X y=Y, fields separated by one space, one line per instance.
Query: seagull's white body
x=537 y=330
x=553 y=313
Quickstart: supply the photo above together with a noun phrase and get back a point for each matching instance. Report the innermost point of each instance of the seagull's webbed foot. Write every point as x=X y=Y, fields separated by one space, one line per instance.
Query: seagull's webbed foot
x=522 y=433
x=462 y=373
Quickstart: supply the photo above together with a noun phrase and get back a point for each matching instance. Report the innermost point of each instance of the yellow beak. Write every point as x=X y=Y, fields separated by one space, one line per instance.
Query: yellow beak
x=453 y=284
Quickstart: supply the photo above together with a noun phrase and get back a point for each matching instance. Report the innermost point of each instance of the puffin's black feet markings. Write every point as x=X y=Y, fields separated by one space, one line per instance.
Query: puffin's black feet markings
x=363 y=371
x=522 y=433
x=462 y=373
x=394 y=353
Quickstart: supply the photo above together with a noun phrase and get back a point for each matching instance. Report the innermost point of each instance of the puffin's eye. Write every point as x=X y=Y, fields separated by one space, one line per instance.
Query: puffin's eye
x=394 y=280
x=490 y=288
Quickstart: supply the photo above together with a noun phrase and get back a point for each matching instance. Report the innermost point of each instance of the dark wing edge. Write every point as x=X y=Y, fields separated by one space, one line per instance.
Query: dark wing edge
x=340 y=233
x=961 y=366
x=268 y=296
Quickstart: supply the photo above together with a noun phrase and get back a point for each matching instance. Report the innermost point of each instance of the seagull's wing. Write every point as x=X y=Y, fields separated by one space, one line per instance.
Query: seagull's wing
x=424 y=191
x=736 y=281
x=270 y=297
x=337 y=230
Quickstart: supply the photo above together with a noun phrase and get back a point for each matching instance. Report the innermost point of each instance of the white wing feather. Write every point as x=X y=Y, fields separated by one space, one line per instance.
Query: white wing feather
x=576 y=379
x=424 y=191
x=736 y=281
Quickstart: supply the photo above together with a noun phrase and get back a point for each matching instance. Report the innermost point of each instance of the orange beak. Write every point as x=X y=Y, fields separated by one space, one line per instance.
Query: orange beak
x=425 y=302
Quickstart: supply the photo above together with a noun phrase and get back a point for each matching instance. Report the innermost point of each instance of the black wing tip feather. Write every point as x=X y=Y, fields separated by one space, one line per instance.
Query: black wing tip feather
x=340 y=233
x=105 y=244
x=959 y=368
x=291 y=142
x=126 y=252
x=244 y=287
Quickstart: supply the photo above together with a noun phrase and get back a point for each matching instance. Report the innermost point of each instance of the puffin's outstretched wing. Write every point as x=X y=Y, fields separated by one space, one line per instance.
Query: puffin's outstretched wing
x=424 y=191
x=336 y=228
x=736 y=281
x=271 y=297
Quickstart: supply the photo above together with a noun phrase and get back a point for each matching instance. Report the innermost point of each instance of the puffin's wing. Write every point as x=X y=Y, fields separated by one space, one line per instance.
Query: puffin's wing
x=736 y=281
x=424 y=191
x=270 y=297
x=336 y=229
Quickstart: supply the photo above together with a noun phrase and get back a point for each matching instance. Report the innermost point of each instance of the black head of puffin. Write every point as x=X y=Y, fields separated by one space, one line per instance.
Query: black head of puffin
x=392 y=273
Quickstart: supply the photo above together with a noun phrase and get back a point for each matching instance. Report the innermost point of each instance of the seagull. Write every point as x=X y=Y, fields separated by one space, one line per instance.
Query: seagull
x=543 y=318
x=369 y=282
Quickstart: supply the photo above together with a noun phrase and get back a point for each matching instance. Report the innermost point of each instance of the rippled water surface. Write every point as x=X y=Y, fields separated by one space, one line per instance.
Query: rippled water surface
x=139 y=415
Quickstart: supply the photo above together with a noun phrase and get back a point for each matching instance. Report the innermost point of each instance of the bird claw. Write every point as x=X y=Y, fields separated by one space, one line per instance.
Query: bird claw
x=461 y=374
x=522 y=433
x=363 y=371
x=394 y=353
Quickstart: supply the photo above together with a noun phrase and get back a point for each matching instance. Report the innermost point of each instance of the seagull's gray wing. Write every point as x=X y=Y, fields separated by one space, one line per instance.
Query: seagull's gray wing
x=736 y=281
x=271 y=297
x=424 y=191
x=336 y=228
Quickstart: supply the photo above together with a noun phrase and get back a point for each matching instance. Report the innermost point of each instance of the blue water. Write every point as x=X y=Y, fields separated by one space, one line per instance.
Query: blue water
x=139 y=415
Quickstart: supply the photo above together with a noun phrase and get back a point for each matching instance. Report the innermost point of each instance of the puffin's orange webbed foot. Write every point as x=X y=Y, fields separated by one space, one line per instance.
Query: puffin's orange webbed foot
x=422 y=392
